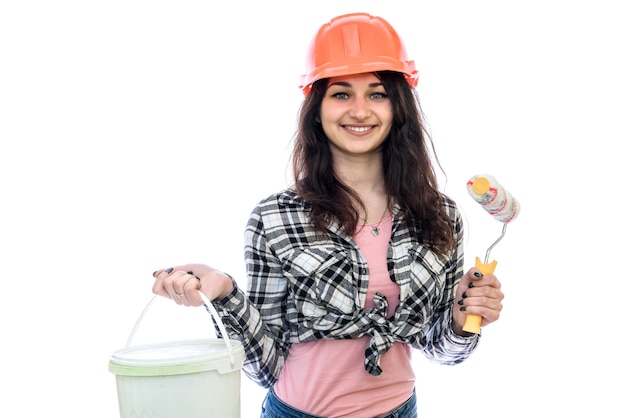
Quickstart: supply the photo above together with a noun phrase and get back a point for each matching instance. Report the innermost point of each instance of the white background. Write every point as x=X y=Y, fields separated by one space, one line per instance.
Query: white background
x=136 y=135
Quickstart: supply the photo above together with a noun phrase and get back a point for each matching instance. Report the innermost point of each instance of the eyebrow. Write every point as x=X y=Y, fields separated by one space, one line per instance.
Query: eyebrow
x=346 y=84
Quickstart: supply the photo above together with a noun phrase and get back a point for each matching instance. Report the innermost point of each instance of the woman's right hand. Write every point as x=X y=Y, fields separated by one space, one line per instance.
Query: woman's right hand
x=183 y=283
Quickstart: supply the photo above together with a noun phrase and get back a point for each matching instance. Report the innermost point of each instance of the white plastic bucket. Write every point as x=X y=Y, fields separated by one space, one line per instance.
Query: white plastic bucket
x=197 y=378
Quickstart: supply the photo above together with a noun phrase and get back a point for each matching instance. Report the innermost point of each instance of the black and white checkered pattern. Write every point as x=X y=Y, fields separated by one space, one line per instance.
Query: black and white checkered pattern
x=303 y=285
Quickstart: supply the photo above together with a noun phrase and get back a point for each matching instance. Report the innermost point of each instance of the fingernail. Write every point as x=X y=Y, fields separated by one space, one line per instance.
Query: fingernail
x=478 y=274
x=463 y=308
x=460 y=302
x=169 y=270
x=154 y=273
x=464 y=295
x=470 y=285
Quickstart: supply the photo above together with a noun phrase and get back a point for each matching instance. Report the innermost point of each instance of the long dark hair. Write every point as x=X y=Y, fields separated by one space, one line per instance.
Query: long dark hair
x=410 y=179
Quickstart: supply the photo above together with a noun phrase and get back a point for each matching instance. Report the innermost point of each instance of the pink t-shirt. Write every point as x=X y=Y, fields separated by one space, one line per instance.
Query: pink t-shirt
x=328 y=377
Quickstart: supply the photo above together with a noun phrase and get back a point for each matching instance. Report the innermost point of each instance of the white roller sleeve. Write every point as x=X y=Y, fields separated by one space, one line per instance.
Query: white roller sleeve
x=498 y=202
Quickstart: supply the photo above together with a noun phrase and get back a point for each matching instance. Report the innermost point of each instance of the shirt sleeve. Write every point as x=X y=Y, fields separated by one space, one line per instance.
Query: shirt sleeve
x=258 y=319
x=440 y=343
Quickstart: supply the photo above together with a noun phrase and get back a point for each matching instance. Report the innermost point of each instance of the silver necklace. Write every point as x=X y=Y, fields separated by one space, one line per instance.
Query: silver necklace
x=375 y=230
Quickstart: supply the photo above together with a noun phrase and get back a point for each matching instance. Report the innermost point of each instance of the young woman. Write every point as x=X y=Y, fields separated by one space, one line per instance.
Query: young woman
x=361 y=261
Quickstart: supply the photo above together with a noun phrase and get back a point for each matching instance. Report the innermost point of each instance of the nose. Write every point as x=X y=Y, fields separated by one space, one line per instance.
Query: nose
x=360 y=109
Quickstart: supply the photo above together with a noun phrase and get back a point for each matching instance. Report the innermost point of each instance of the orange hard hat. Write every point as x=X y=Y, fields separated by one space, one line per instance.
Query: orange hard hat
x=356 y=43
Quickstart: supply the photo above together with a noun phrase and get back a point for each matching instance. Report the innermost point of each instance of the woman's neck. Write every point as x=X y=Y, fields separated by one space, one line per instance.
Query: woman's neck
x=363 y=175
x=366 y=178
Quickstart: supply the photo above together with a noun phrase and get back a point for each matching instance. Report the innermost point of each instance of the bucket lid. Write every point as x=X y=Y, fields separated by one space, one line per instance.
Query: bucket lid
x=176 y=357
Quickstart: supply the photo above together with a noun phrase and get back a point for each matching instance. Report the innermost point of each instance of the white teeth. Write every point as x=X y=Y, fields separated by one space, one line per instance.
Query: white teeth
x=358 y=128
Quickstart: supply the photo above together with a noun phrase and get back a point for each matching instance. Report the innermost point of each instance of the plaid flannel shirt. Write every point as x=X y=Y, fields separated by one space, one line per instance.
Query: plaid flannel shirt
x=303 y=286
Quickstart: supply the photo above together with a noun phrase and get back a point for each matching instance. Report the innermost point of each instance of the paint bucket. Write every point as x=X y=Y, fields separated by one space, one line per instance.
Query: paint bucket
x=196 y=378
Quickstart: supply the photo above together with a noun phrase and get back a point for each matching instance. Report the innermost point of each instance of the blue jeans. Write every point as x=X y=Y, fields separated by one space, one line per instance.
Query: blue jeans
x=275 y=408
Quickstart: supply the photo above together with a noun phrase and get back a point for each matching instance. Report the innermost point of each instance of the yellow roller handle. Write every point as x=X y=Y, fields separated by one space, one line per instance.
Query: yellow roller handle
x=472 y=321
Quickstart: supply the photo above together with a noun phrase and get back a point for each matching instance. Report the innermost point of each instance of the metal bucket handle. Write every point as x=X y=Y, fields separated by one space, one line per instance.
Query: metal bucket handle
x=209 y=307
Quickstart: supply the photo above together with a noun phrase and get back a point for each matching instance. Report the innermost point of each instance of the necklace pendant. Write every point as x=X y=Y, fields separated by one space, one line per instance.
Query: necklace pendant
x=375 y=231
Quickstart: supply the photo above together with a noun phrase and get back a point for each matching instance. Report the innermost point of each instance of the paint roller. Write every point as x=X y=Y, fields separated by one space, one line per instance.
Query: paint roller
x=500 y=204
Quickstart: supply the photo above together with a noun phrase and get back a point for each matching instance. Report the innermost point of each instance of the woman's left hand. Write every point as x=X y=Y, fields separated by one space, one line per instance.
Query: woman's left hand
x=478 y=295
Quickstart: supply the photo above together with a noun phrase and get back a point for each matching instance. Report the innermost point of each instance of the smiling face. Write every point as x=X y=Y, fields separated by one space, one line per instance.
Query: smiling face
x=356 y=114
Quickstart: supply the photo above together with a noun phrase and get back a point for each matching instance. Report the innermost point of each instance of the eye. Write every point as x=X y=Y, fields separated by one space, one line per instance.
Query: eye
x=341 y=96
x=378 y=95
